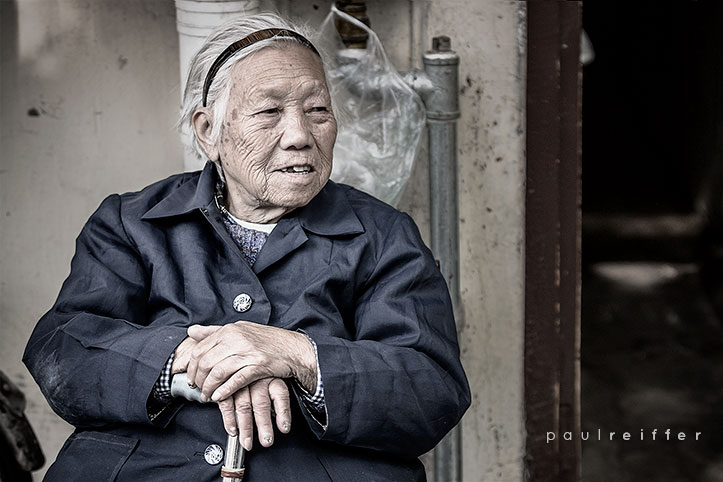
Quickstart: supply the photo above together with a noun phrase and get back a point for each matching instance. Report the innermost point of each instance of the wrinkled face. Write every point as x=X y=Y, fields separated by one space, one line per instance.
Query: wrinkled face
x=278 y=134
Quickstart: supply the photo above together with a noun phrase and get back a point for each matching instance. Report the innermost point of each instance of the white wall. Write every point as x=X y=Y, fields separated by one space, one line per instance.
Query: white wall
x=104 y=77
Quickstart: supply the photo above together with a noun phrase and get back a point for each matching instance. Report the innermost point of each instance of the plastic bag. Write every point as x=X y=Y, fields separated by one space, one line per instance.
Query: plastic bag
x=380 y=117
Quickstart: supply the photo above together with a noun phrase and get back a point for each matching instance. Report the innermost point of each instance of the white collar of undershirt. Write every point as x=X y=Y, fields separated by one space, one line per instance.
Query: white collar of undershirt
x=266 y=228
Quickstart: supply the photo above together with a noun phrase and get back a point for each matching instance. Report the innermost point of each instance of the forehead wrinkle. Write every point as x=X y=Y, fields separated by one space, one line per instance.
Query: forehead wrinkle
x=301 y=89
x=279 y=72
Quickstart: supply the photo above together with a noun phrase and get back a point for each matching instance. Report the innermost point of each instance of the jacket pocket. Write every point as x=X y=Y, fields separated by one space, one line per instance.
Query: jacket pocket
x=91 y=456
x=355 y=465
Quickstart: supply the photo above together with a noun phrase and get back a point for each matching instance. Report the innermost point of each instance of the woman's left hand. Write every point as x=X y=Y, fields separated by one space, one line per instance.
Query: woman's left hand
x=253 y=404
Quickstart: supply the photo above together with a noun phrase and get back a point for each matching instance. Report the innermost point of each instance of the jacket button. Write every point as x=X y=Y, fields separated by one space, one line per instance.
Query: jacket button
x=242 y=303
x=213 y=454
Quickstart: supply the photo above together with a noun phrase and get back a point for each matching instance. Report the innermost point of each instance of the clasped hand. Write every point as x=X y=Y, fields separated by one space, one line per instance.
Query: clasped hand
x=242 y=366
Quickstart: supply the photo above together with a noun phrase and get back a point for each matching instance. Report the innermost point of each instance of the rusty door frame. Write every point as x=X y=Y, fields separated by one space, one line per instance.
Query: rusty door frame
x=552 y=246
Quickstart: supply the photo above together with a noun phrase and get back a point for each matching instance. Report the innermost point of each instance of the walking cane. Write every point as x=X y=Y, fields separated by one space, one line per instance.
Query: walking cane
x=233 y=464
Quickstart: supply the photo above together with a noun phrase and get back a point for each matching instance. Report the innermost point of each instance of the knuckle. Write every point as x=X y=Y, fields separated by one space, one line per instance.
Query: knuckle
x=244 y=407
x=280 y=395
x=196 y=352
x=262 y=359
x=262 y=406
x=265 y=383
x=227 y=412
x=238 y=380
x=259 y=387
x=242 y=395
x=217 y=374
x=279 y=389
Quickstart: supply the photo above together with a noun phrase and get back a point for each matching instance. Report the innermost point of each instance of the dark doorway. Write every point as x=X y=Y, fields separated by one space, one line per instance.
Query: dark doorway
x=650 y=107
x=652 y=339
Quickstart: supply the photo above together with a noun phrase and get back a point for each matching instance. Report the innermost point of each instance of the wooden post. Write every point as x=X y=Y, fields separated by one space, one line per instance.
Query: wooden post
x=552 y=280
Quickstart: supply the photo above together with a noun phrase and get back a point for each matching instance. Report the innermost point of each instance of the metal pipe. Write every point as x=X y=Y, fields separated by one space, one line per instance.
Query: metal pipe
x=441 y=65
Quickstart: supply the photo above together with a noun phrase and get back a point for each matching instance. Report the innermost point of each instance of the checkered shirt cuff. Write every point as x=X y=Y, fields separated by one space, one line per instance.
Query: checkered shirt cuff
x=314 y=401
x=162 y=387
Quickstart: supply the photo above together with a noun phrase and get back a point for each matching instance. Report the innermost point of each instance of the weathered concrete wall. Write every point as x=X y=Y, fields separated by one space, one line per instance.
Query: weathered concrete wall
x=89 y=99
x=104 y=78
x=489 y=38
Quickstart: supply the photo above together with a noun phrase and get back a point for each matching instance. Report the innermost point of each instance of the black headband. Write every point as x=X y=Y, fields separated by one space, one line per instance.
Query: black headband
x=245 y=42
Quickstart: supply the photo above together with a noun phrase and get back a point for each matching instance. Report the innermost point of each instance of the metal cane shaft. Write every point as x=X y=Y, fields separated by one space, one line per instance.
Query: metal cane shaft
x=233 y=465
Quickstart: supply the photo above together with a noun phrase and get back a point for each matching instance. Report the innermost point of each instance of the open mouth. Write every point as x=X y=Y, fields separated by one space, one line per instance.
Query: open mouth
x=305 y=169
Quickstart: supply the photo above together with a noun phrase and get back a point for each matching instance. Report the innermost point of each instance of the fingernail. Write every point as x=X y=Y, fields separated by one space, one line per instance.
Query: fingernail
x=232 y=431
x=268 y=439
x=216 y=396
x=247 y=442
x=204 y=398
x=285 y=426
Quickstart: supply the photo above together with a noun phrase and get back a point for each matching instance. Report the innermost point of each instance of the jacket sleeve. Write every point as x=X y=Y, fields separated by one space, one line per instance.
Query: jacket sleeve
x=399 y=385
x=95 y=355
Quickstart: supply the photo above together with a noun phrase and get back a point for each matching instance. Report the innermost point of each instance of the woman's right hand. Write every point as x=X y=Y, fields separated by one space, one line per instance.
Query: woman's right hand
x=253 y=403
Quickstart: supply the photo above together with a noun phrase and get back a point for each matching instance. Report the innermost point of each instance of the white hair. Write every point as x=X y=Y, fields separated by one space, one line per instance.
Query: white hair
x=218 y=93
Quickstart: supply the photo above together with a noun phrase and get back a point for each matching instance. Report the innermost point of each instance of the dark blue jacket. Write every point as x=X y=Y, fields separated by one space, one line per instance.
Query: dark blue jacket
x=350 y=271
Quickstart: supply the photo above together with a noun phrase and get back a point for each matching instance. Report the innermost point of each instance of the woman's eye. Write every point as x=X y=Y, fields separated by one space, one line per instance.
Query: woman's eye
x=273 y=110
x=320 y=108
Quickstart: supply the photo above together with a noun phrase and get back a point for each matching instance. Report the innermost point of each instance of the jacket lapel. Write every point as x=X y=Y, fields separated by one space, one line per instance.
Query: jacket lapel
x=285 y=238
x=328 y=214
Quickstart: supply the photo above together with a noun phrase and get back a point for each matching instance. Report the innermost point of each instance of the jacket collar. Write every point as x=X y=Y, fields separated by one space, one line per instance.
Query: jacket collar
x=328 y=214
x=192 y=195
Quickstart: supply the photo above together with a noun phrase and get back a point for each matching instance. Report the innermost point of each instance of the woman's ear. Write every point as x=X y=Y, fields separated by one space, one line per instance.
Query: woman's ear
x=202 y=122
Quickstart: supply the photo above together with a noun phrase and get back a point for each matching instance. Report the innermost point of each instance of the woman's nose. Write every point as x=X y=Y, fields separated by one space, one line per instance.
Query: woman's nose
x=296 y=134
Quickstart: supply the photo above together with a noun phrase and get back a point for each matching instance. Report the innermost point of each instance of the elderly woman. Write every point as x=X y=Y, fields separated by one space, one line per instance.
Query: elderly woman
x=283 y=296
